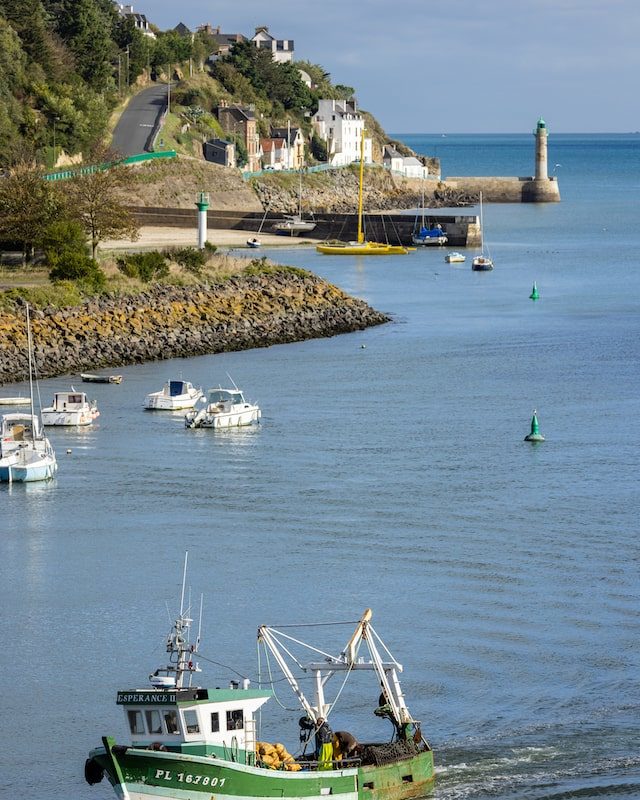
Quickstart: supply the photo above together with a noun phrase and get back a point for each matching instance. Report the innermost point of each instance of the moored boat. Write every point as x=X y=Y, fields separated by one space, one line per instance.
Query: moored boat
x=361 y=247
x=483 y=262
x=187 y=742
x=174 y=396
x=14 y=401
x=425 y=234
x=25 y=452
x=88 y=377
x=253 y=243
x=225 y=408
x=455 y=258
x=70 y=408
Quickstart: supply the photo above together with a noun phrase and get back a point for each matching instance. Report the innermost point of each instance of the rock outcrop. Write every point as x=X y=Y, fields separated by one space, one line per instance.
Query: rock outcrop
x=167 y=321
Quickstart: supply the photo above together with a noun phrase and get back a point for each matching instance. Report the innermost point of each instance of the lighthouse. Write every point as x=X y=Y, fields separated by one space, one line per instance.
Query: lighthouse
x=541 y=151
x=203 y=204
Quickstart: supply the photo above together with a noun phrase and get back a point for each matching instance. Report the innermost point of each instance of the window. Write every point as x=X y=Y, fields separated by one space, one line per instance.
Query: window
x=191 y=722
x=171 y=721
x=215 y=722
x=235 y=720
x=136 y=723
x=154 y=721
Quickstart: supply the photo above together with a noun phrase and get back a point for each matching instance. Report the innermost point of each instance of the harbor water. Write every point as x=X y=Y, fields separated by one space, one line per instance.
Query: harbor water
x=389 y=471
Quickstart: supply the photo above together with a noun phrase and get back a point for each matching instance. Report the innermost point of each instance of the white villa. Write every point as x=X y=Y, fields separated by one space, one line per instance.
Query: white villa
x=340 y=125
x=281 y=49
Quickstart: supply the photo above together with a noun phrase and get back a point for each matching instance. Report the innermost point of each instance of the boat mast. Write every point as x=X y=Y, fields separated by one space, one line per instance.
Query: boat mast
x=360 y=231
x=29 y=348
x=481 y=228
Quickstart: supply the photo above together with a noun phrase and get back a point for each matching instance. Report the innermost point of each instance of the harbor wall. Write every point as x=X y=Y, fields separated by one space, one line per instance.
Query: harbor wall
x=244 y=312
x=462 y=229
x=507 y=190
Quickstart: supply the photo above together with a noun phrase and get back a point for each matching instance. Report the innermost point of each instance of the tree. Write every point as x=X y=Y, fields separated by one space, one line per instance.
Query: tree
x=95 y=200
x=87 y=30
x=28 y=204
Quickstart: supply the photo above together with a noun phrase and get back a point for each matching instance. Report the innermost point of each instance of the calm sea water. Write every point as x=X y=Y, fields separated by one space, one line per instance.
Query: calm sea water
x=389 y=471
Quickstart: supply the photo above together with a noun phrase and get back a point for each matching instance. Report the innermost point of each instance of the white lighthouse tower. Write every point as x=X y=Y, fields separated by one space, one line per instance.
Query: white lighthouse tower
x=542 y=173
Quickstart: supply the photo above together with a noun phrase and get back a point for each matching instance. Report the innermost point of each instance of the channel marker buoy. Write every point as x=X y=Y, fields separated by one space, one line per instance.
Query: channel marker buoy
x=534 y=292
x=535 y=435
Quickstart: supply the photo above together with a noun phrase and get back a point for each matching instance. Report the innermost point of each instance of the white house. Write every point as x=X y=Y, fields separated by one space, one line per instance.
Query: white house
x=275 y=153
x=281 y=49
x=139 y=20
x=409 y=166
x=341 y=126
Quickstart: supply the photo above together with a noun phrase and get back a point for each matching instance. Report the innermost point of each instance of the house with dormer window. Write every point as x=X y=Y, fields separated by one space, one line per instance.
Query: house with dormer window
x=295 y=145
x=281 y=49
x=139 y=20
x=340 y=125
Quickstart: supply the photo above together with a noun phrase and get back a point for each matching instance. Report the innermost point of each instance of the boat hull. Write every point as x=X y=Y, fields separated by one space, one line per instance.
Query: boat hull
x=364 y=249
x=14 y=469
x=72 y=418
x=218 y=420
x=429 y=241
x=163 y=403
x=481 y=264
x=139 y=774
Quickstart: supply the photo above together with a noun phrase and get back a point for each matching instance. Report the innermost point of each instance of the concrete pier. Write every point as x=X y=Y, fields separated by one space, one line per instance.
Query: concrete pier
x=539 y=188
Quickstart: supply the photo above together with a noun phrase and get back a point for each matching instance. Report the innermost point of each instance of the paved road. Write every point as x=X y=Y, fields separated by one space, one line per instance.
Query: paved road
x=133 y=132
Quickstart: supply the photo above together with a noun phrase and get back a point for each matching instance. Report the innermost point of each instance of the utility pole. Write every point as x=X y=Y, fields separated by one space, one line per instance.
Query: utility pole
x=127 y=67
x=169 y=90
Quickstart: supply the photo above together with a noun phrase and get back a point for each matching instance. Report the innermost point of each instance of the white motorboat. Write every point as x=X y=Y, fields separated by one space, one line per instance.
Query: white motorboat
x=174 y=396
x=70 y=408
x=25 y=452
x=455 y=258
x=225 y=408
x=14 y=401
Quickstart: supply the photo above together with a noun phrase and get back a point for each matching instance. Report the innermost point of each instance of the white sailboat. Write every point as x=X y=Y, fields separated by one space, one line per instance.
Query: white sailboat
x=26 y=454
x=294 y=223
x=482 y=263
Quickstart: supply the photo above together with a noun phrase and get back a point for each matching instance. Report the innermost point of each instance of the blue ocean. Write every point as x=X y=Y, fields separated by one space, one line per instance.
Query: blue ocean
x=389 y=472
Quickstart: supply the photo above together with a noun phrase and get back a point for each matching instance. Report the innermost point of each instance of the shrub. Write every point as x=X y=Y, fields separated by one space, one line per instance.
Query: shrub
x=78 y=267
x=190 y=258
x=62 y=238
x=145 y=266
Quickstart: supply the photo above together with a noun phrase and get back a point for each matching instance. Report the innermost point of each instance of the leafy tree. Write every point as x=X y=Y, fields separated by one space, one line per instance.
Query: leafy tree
x=318 y=148
x=87 y=30
x=28 y=204
x=170 y=48
x=95 y=201
x=279 y=83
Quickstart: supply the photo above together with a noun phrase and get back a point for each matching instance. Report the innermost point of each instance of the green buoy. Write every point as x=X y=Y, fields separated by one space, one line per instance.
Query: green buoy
x=534 y=292
x=535 y=435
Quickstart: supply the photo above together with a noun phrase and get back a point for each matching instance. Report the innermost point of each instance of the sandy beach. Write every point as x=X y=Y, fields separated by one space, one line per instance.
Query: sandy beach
x=160 y=237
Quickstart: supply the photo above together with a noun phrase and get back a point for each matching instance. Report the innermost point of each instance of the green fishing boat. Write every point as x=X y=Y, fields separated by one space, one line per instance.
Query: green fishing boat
x=191 y=743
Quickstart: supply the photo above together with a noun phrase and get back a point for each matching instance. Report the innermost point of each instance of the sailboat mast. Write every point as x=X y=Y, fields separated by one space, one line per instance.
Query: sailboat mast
x=360 y=231
x=481 y=227
x=29 y=348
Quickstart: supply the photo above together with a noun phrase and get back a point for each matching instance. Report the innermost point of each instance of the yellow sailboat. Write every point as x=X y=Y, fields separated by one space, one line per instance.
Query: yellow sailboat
x=361 y=247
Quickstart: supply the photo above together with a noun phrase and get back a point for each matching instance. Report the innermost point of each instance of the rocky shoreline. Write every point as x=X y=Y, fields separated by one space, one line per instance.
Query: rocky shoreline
x=169 y=321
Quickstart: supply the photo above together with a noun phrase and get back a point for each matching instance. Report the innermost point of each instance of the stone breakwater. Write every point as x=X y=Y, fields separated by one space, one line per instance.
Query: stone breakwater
x=168 y=321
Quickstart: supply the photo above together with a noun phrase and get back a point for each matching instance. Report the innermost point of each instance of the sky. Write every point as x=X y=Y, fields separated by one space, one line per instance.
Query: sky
x=456 y=66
